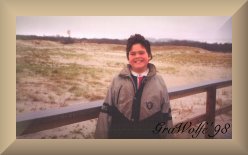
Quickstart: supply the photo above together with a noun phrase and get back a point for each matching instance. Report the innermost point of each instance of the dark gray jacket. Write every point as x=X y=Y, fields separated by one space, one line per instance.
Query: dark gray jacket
x=121 y=96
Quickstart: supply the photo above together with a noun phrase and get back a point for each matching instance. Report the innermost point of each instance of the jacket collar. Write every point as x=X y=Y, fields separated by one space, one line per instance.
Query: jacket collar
x=142 y=74
x=126 y=71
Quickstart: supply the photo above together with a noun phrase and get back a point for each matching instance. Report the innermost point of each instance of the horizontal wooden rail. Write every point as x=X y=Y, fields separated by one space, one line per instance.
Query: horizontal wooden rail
x=179 y=92
x=42 y=120
x=48 y=119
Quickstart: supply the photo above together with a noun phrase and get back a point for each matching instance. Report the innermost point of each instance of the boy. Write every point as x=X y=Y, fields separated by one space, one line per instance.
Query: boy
x=137 y=99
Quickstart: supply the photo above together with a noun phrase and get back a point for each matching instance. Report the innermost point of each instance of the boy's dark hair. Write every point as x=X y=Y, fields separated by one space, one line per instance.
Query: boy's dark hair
x=138 y=39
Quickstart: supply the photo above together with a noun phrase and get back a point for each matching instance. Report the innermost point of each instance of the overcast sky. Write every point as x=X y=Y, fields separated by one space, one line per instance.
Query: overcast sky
x=198 y=28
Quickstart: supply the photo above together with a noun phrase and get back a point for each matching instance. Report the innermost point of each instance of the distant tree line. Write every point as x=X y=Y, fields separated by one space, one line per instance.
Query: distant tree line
x=217 y=47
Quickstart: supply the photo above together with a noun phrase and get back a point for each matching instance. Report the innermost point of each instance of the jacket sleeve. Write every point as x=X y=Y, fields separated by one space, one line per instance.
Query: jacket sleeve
x=104 y=119
x=166 y=110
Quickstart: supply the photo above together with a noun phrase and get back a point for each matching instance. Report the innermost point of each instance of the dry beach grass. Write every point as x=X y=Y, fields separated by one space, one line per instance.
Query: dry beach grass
x=54 y=75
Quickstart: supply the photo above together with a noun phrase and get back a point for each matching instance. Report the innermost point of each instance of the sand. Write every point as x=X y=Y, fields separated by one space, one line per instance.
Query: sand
x=39 y=89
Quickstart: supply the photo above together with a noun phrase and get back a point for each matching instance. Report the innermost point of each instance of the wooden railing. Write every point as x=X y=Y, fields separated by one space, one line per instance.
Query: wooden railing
x=48 y=119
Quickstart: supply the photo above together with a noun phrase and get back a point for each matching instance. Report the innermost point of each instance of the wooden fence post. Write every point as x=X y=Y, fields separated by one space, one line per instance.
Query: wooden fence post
x=210 y=112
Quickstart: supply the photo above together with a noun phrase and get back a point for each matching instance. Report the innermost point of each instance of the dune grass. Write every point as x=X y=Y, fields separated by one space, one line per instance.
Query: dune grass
x=85 y=70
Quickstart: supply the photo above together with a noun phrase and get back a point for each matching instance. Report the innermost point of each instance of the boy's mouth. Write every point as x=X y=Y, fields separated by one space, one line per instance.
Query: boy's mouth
x=138 y=61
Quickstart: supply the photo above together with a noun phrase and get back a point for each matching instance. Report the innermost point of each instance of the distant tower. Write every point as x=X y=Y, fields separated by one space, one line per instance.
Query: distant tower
x=69 y=33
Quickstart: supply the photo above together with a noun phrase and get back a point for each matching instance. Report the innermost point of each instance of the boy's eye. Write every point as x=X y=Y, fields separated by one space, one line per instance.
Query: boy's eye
x=138 y=52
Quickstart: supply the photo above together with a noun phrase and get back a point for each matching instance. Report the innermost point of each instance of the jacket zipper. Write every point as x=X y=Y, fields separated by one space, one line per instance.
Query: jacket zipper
x=135 y=89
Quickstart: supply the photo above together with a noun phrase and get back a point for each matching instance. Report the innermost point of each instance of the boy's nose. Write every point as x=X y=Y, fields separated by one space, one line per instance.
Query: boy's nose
x=137 y=55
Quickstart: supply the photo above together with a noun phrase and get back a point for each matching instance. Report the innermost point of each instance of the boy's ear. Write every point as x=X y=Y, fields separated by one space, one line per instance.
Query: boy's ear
x=149 y=58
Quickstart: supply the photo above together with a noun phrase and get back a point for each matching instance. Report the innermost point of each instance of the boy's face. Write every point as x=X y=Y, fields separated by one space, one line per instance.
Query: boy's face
x=138 y=58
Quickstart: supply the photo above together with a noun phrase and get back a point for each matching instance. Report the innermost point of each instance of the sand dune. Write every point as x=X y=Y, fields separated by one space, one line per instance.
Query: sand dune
x=53 y=75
